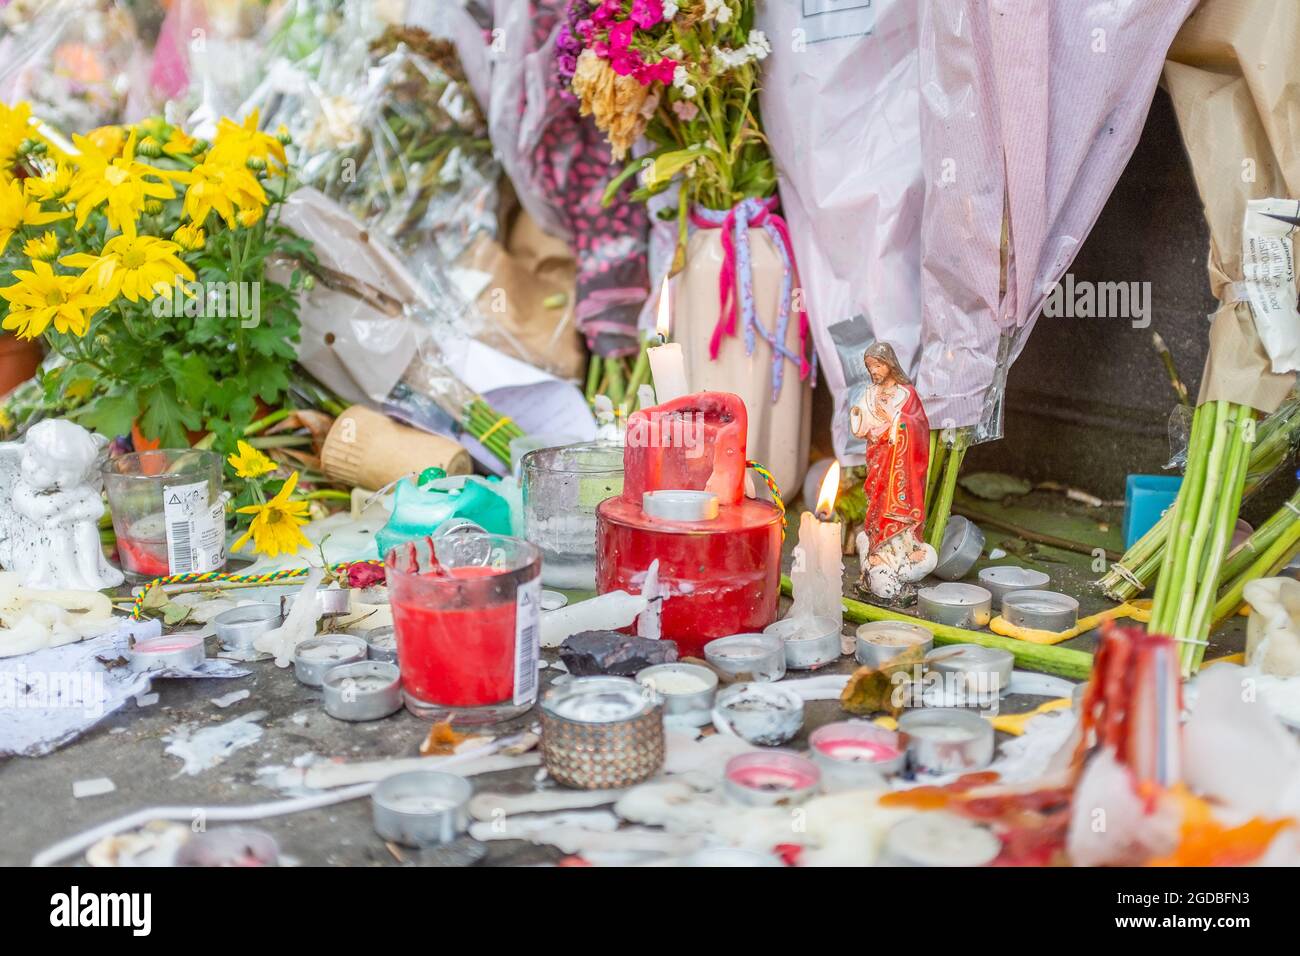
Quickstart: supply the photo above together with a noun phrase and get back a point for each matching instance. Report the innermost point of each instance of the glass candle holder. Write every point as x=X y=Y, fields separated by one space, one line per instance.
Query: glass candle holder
x=562 y=487
x=466 y=611
x=168 y=512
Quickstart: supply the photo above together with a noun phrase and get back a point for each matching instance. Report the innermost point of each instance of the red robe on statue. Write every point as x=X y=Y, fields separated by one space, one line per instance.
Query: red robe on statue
x=896 y=465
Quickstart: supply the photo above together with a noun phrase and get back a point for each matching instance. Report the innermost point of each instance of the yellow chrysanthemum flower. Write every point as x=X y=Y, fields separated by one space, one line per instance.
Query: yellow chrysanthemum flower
x=276 y=524
x=109 y=140
x=181 y=144
x=123 y=184
x=248 y=462
x=249 y=216
x=235 y=144
x=40 y=297
x=220 y=188
x=15 y=126
x=17 y=210
x=135 y=267
x=44 y=247
x=52 y=185
x=190 y=237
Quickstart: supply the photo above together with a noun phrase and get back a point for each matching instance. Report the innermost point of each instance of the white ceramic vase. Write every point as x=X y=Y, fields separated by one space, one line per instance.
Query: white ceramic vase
x=779 y=432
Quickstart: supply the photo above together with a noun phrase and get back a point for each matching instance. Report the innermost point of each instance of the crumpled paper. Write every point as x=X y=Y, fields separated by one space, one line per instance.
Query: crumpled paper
x=51 y=697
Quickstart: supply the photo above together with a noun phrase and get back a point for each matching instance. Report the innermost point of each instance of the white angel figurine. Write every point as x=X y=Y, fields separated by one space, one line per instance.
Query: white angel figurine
x=50 y=506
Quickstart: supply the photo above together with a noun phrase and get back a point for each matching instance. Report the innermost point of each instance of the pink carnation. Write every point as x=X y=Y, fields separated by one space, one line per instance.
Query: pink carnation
x=604 y=14
x=620 y=36
x=661 y=71
x=647 y=13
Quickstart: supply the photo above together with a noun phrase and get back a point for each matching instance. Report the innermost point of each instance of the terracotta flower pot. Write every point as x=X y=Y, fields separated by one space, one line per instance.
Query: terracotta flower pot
x=19 y=359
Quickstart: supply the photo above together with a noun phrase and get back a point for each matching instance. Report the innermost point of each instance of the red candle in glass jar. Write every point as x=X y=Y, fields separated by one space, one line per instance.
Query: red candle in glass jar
x=466 y=624
x=457 y=656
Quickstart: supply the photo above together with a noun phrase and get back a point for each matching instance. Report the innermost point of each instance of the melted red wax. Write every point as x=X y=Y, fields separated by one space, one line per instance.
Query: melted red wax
x=137 y=558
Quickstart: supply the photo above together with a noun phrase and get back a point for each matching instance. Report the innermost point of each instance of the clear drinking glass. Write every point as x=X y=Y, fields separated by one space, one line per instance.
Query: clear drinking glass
x=466 y=612
x=561 y=488
x=168 y=511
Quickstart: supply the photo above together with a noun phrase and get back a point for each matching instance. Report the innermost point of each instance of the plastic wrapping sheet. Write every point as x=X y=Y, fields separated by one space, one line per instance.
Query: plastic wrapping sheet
x=208 y=57
x=1029 y=112
x=374 y=332
x=397 y=137
x=558 y=162
x=79 y=63
x=852 y=191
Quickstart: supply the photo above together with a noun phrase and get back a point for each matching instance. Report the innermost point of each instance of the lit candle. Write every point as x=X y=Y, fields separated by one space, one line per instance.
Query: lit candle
x=817 y=571
x=667 y=363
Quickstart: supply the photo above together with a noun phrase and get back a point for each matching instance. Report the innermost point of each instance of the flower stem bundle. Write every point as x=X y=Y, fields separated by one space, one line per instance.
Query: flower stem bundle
x=1204 y=516
x=493 y=430
x=1138 y=568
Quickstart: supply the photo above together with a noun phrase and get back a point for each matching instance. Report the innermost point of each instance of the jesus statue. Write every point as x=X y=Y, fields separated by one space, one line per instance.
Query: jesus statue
x=890 y=419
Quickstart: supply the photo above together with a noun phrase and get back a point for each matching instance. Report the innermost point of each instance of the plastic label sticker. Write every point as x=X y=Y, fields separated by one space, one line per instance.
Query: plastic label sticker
x=196 y=532
x=528 y=613
x=823 y=20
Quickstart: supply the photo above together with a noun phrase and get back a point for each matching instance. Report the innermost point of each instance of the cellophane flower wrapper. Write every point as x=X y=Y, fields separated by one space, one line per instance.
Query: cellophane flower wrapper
x=851 y=192
x=79 y=63
x=210 y=55
x=558 y=162
x=1029 y=113
x=400 y=142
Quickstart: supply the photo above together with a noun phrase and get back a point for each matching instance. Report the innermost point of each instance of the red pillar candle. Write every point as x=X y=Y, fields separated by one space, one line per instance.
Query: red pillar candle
x=465 y=614
x=719 y=576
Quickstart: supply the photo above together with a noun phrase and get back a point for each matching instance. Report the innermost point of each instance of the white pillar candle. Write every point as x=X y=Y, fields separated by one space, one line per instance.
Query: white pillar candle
x=667 y=361
x=817 y=570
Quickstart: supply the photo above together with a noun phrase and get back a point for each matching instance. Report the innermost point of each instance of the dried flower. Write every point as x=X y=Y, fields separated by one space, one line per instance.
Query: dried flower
x=617 y=102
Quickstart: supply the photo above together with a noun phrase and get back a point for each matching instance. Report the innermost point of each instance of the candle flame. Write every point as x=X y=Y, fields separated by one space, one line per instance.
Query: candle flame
x=664 y=317
x=829 y=491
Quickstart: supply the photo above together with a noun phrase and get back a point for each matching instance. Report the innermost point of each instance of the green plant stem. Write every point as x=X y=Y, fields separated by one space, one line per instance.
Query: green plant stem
x=1261 y=539
x=593 y=376
x=1225 y=506
x=640 y=373
x=1206 y=499
x=937 y=518
x=1268 y=564
x=1047 y=658
x=1168 y=585
x=262 y=424
x=938 y=452
x=616 y=388
x=327 y=494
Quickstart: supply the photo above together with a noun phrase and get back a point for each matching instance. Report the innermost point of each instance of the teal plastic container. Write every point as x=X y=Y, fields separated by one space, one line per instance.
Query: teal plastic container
x=420 y=508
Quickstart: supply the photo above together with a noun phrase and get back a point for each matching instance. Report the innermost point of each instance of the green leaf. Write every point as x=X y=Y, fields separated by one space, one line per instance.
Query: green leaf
x=668 y=165
x=110 y=415
x=166 y=419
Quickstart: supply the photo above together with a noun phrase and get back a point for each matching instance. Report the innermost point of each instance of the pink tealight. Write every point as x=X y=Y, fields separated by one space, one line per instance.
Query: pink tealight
x=856 y=755
x=180 y=651
x=872 y=751
x=770 y=778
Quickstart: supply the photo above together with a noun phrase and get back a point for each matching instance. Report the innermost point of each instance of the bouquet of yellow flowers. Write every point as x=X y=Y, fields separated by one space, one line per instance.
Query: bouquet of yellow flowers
x=139 y=254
